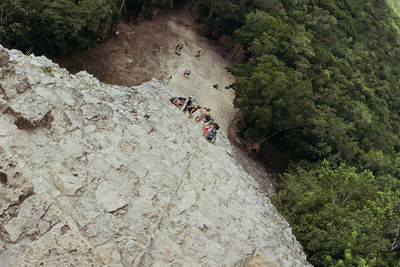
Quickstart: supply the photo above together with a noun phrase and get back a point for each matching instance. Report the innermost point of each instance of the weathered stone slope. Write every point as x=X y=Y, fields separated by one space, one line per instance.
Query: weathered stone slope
x=95 y=174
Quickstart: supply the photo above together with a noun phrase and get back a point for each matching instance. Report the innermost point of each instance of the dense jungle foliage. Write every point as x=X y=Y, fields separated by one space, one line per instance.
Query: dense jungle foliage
x=55 y=27
x=322 y=79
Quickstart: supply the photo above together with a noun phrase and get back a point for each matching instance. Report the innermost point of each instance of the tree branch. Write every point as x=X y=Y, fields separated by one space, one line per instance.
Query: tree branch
x=265 y=137
x=122 y=5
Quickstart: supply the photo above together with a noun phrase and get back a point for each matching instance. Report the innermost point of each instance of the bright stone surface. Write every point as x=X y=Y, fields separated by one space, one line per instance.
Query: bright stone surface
x=122 y=178
x=109 y=198
x=64 y=180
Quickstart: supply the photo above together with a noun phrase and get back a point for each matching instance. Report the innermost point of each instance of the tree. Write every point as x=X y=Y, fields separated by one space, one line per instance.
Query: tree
x=211 y=5
x=341 y=216
x=323 y=78
x=273 y=98
x=221 y=17
x=55 y=27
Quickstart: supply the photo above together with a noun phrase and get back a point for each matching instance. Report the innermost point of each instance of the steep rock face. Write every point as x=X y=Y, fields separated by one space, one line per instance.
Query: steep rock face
x=118 y=176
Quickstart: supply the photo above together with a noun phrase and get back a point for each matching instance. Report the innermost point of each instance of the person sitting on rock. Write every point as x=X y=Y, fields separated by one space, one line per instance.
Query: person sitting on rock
x=180 y=102
x=208 y=125
x=207 y=119
x=192 y=108
x=211 y=134
x=188 y=103
x=202 y=114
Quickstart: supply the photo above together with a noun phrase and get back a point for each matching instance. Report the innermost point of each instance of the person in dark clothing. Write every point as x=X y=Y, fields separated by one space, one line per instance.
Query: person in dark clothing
x=188 y=103
x=180 y=102
x=211 y=134
x=192 y=108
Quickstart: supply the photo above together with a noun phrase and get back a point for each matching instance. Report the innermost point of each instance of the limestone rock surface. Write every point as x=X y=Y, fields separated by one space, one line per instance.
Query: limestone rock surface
x=117 y=176
x=14 y=187
x=63 y=245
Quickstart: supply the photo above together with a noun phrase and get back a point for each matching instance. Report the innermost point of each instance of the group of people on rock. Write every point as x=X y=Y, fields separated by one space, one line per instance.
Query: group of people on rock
x=209 y=126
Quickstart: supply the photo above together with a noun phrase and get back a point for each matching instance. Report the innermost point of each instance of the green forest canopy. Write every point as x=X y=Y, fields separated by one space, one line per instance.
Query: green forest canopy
x=55 y=27
x=322 y=79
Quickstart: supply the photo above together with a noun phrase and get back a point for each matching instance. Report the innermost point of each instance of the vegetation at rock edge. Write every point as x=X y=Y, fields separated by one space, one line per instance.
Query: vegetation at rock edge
x=321 y=78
